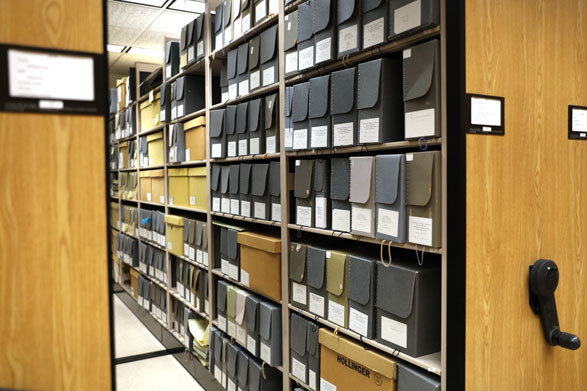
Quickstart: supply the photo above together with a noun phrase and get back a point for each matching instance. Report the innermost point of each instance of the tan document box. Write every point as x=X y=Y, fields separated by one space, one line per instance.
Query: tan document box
x=198 y=191
x=174 y=230
x=195 y=139
x=261 y=263
x=178 y=187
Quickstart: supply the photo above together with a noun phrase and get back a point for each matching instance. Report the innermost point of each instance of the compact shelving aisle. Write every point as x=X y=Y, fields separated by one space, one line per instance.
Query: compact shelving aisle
x=209 y=66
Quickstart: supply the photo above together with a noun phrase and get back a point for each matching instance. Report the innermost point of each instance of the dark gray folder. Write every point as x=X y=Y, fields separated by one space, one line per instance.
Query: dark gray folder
x=165 y=103
x=362 y=295
x=254 y=65
x=305 y=42
x=233 y=189
x=304 y=192
x=232 y=75
x=298 y=347
x=390 y=198
x=171 y=59
x=231 y=137
x=319 y=112
x=322 y=203
x=374 y=23
x=245 y=189
x=242 y=134
x=224 y=191
x=288 y=114
x=324 y=31
x=275 y=190
x=340 y=185
x=243 y=69
x=380 y=102
x=269 y=58
x=313 y=346
x=260 y=191
x=317 y=281
x=289 y=44
x=348 y=21
x=217 y=133
x=215 y=188
x=243 y=370
x=256 y=127
x=271 y=123
x=270 y=333
x=298 y=287
x=252 y=311
x=301 y=134
x=411 y=378
x=222 y=287
x=362 y=196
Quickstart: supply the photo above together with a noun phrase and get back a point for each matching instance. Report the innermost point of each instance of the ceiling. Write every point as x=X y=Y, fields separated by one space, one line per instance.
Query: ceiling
x=138 y=26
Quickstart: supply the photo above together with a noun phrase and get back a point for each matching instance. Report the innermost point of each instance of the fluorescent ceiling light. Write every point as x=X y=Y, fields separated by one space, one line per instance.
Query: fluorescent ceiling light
x=154 y=3
x=146 y=52
x=189 y=5
x=114 y=48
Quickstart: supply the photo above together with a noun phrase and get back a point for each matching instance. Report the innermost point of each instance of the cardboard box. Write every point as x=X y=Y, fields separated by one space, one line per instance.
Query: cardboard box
x=115 y=213
x=195 y=139
x=158 y=186
x=347 y=366
x=134 y=280
x=261 y=263
x=150 y=110
x=146 y=192
x=178 y=187
x=155 y=147
x=197 y=187
x=174 y=234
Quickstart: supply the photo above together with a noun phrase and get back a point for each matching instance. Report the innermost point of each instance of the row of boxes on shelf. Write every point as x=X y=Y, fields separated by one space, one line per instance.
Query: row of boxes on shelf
x=364 y=104
x=130 y=223
x=125 y=92
x=320 y=31
x=192 y=47
x=254 y=322
x=187 y=238
x=391 y=197
x=124 y=124
x=236 y=369
x=254 y=64
x=128 y=250
x=151 y=262
x=191 y=283
x=123 y=155
x=152 y=226
x=120 y=271
x=248 y=190
x=127 y=182
x=248 y=128
x=152 y=298
x=395 y=303
x=185 y=96
x=235 y=17
x=192 y=328
x=304 y=350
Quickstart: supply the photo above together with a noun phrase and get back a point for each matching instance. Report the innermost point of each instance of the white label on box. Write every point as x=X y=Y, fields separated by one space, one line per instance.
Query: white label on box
x=233 y=90
x=407 y=17
x=343 y=134
x=198 y=304
x=319 y=137
x=260 y=210
x=420 y=230
x=251 y=344
x=323 y=50
x=140 y=297
x=304 y=215
x=190 y=54
x=369 y=130
x=326 y=386
x=291 y=62
x=420 y=123
x=242 y=147
x=288 y=137
x=120 y=160
x=169 y=246
x=246 y=23
x=298 y=370
x=241 y=334
x=317 y=304
x=164 y=317
x=300 y=139
x=312 y=379
x=168 y=71
x=244 y=277
x=227 y=34
x=186 y=248
x=254 y=146
x=149 y=197
x=387 y=222
x=192 y=200
x=321 y=212
x=162 y=114
x=299 y=293
x=216 y=150
x=205 y=258
x=206 y=306
x=273 y=7
x=275 y=212
x=361 y=219
x=270 y=145
x=231 y=329
x=199 y=255
x=180 y=110
x=145 y=161
x=373 y=33
x=233 y=272
x=336 y=313
x=218 y=374
x=187 y=155
x=358 y=322
x=224 y=96
x=485 y=111
x=255 y=79
x=162 y=199
x=216 y=204
x=269 y=76
x=173 y=113
x=347 y=39
x=192 y=253
x=306 y=58
x=579 y=120
x=243 y=87
x=225 y=266
x=260 y=11
x=265 y=353
x=170 y=200
x=180 y=289
x=219 y=43
x=231 y=149
x=394 y=332
x=200 y=48
x=234 y=206
x=225 y=205
x=245 y=208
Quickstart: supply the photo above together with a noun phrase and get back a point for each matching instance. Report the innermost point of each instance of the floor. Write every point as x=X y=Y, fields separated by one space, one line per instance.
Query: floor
x=132 y=338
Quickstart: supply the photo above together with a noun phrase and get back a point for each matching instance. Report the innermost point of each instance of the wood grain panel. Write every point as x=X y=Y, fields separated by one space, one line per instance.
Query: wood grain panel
x=63 y=24
x=526 y=192
x=54 y=331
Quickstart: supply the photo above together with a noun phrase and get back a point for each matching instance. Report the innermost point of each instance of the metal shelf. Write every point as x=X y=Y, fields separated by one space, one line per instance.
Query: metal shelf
x=431 y=362
x=248 y=219
x=265 y=156
x=300 y=383
x=252 y=95
x=146 y=96
x=152 y=130
x=157 y=204
x=345 y=235
x=187 y=209
x=157 y=167
x=367 y=148
x=188 y=117
x=173 y=292
x=185 y=259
